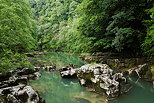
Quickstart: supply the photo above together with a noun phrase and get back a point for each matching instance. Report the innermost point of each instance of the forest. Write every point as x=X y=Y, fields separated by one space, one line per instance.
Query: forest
x=74 y=26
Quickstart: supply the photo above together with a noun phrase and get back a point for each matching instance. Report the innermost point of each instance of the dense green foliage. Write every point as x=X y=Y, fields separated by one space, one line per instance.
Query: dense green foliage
x=57 y=29
x=148 y=45
x=124 y=26
x=93 y=25
x=17 y=32
x=116 y=24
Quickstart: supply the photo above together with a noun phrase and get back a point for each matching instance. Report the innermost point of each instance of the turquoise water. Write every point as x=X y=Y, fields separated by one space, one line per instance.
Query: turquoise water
x=142 y=92
x=55 y=89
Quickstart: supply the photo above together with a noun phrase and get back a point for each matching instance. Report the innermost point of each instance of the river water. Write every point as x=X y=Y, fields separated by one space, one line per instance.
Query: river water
x=142 y=92
x=55 y=89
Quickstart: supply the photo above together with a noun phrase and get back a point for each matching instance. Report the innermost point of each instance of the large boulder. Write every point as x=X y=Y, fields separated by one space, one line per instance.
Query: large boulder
x=20 y=94
x=102 y=78
x=13 y=87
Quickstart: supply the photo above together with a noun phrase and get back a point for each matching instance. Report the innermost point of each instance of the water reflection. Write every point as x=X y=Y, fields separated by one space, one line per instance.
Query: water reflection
x=58 y=59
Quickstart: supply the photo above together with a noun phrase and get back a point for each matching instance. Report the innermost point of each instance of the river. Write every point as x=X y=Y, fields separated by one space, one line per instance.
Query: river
x=55 y=89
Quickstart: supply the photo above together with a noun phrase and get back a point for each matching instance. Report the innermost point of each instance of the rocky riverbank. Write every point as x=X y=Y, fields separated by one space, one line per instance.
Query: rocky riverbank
x=14 y=86
x=136 y=67
x=103 y=79
x=106 y=75
x=100 y=77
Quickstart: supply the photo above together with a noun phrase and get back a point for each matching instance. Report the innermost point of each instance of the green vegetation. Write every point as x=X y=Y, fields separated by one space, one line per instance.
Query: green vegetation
x=74 y=26
x=148 y=44
x=95 y=25
x=57 y=29
x=17 y=33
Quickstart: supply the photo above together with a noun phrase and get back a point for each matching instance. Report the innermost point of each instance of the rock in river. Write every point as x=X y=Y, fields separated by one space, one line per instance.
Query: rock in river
x=46 y=68
x=67 y=72
x=102 y=78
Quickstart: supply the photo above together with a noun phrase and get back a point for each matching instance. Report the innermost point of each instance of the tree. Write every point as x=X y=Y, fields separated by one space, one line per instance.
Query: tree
x=116 y=24
x=148 y=44
x=17 y=31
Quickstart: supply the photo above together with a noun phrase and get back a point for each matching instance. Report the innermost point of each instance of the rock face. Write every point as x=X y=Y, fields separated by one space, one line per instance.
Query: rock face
x=102 y=79
x=20 y=94
x=113 y=60
x=67 y=72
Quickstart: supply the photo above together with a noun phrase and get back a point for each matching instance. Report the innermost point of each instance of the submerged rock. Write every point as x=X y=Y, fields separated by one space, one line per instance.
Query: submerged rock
x=102 y=79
